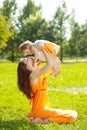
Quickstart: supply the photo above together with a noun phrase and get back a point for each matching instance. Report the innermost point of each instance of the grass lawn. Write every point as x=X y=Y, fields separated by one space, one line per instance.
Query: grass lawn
x=67 y=91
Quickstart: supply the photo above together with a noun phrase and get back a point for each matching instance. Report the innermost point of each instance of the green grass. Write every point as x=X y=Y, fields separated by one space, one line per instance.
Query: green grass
x=67 y=91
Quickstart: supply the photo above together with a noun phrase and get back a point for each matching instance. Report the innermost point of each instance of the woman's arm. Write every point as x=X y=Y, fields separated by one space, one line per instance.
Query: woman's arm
x=37 y=73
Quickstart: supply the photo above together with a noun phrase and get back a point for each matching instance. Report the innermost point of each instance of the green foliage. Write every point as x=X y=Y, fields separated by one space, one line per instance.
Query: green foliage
x=74 y=40
x=9 y=8
x=29 y=9
x=77 y=42
x=4 y=30
x=60 y=19
x=83 y=41
x=33 y=27
x=30 y=25
x=67 y=91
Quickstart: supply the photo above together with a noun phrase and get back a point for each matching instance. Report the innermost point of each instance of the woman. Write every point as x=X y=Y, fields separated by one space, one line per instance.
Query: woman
x=33 y=84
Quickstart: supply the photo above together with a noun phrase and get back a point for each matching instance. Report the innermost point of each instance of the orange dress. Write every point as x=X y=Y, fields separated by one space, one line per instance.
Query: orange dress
x=40 y=107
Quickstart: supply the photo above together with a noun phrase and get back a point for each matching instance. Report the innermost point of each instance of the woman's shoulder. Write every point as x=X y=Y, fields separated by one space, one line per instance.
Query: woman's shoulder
x=34 y=81
x=33 y=78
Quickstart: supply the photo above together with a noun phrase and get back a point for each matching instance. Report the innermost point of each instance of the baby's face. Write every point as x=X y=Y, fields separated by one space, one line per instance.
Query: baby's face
x=27 y=52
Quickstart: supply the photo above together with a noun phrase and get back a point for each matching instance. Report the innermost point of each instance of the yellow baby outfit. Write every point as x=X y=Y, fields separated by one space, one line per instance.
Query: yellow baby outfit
x=49 y=48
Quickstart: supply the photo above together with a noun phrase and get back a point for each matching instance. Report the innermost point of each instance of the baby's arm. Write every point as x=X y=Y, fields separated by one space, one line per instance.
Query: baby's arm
x=39 y=44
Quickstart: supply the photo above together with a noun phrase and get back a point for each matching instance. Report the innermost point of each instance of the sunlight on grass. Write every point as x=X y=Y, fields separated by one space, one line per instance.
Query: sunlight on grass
x=72 y=75
x=67 y=91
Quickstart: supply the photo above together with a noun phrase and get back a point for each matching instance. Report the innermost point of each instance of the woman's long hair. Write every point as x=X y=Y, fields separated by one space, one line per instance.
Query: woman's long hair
x=23 y=79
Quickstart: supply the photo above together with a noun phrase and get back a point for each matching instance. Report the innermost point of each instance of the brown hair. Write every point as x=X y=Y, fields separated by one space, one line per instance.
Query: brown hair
x=23 y=45
x=23 y=79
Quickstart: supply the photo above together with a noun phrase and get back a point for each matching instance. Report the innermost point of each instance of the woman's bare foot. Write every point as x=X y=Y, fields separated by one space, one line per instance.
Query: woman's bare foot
x=40 y=121
x=37 y=120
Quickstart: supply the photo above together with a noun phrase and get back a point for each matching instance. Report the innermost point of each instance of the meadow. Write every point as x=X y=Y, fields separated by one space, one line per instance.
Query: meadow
x=67 y=91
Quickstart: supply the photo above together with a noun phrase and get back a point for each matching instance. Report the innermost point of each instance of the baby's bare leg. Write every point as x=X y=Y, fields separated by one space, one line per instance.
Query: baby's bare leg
x=56 y=69
x=56 y=65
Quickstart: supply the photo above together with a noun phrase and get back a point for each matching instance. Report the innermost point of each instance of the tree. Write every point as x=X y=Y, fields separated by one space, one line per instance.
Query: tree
x=29 y=10
x=48 y=31
x=74 y=40
x=32 y=28
x=9 y=8
x=72 y=49
x=59 y=20
x=77 y=42
x=83 y=40
x=9 y=11
x=4 y=30
x=30 y=22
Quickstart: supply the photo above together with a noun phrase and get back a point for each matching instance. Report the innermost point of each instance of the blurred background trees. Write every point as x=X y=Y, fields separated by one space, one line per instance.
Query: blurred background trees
x=17 y=26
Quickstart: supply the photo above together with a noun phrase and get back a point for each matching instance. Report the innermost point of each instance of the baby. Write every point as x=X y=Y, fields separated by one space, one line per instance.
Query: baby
x=29 y=48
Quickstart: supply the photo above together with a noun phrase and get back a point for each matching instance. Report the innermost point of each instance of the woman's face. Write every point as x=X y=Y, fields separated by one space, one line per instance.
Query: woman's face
x=31 y=66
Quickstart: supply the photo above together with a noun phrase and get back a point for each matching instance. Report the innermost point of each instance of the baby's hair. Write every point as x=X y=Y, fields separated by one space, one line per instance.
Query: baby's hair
x=23 y=45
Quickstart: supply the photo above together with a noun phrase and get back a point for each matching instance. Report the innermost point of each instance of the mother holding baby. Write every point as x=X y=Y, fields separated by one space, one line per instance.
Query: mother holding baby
x=33 y=83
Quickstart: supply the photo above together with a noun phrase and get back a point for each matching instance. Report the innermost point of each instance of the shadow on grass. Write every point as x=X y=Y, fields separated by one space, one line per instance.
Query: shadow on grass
x=21 y=124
